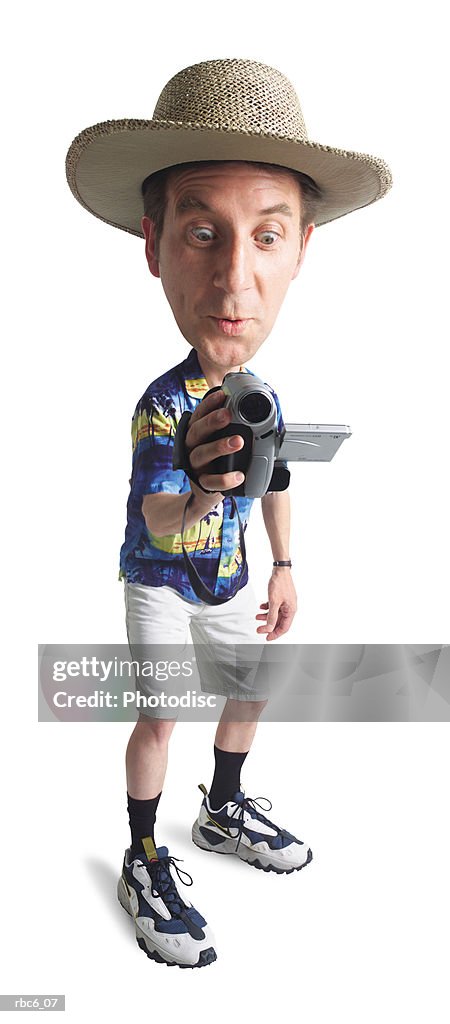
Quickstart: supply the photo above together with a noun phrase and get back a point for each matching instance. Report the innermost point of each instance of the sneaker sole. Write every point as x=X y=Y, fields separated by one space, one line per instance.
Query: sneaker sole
x=202 y=843
x=207 y=956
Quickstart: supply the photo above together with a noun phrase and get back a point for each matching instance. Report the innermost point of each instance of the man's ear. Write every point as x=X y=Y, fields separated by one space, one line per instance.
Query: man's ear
x=148 y=228
x=301 y=257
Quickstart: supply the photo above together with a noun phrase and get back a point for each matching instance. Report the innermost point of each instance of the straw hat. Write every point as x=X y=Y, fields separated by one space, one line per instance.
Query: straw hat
x=230 y=109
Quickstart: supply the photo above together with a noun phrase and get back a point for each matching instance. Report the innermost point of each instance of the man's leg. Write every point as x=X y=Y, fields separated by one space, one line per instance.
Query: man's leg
x=154 y=615
x=229 y=822
x=168 y=929
x=146 y=764
x=233 y=739
x=224 y=633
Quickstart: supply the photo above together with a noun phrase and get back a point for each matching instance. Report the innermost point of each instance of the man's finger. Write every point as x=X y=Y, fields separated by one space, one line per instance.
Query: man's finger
x=272 y=617
x=283 y=625
x=207 y=404
x=201 y=429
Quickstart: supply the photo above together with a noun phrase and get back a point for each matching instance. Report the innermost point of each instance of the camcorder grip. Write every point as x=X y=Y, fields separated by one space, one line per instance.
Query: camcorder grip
x=237 y=461
x=223 y=464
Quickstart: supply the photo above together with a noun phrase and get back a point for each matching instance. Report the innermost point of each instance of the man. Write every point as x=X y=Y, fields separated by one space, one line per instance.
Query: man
x=232 y=189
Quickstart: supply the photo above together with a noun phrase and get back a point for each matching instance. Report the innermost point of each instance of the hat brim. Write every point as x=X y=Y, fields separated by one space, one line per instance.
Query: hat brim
x=107 y=163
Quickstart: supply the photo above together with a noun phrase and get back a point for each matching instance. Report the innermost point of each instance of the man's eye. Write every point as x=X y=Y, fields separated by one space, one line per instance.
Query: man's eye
x=203 y=234
x=268 y=237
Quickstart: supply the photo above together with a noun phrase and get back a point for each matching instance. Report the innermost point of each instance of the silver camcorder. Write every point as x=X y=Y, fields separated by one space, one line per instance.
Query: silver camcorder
x=265 y=452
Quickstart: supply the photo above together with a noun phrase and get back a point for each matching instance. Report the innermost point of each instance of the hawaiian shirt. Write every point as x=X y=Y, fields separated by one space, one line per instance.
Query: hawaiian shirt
x=213 y=542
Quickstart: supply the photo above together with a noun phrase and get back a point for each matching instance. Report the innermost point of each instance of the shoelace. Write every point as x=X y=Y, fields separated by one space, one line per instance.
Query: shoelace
x=249 y=804
x=165 y=886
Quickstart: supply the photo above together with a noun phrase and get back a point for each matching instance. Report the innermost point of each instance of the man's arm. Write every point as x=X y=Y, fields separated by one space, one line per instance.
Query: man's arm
x=282 y=604
x=276 y=510
x=163 y=513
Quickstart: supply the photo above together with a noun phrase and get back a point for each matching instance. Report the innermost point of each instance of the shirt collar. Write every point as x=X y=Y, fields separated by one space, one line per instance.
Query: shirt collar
x=194 y=380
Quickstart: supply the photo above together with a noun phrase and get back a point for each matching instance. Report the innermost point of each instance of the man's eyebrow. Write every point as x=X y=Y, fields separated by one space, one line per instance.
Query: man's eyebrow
x=189 y=202
x=192 y=202
x=279 y=208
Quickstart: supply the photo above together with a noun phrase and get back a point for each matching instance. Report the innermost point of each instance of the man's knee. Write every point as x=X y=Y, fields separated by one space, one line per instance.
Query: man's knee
x=242 y=710
x=158 y=729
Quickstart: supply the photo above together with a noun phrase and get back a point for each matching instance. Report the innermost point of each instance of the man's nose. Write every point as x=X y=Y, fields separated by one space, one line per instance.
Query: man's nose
x=233 y=269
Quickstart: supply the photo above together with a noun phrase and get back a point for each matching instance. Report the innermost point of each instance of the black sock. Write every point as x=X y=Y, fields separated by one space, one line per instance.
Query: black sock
x=142 y=814
x=227 y=776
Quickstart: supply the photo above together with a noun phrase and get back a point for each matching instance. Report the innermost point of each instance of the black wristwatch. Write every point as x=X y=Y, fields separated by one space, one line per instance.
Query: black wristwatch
x=285 y=561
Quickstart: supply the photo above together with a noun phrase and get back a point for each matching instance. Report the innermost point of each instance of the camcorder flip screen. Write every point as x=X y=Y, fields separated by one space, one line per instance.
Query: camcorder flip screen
x=312 y=442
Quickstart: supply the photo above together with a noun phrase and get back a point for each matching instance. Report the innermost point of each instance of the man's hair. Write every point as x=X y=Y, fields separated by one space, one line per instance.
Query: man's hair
x=154 y=192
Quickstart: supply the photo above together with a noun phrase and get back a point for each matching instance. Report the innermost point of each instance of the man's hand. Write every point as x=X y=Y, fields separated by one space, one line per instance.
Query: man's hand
x=282 y=604
x=206 y=420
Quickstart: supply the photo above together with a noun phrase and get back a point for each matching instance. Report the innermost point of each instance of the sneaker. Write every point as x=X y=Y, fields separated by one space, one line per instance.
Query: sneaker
x=238 y=827
x=169 y=929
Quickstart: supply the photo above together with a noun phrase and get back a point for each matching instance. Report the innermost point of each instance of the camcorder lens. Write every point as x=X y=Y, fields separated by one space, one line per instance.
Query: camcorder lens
x=255 y=407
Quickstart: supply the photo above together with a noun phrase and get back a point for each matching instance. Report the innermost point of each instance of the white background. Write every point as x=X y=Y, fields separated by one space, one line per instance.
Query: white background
x=361 y=339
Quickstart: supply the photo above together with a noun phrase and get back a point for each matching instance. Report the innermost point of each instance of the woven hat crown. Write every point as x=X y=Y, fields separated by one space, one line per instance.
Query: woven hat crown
x=233 y=95
x=218 y=110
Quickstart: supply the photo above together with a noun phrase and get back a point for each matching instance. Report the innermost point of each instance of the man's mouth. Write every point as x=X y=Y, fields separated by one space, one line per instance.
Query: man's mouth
x=230 y=326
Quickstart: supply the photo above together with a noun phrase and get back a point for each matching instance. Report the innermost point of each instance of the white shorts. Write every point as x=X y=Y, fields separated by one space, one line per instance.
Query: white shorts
x=160 y=615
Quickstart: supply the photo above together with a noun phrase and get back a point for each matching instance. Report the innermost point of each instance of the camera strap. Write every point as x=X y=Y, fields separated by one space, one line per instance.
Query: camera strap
x=197 y=584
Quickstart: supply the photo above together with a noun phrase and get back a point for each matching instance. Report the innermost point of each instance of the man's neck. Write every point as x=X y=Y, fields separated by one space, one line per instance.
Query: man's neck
x=212 y=374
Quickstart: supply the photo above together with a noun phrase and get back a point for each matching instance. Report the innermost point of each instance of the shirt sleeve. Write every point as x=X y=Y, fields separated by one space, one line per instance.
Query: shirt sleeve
x=152 y=437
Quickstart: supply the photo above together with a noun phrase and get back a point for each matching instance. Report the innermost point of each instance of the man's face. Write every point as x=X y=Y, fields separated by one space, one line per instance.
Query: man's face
x=229 y=249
